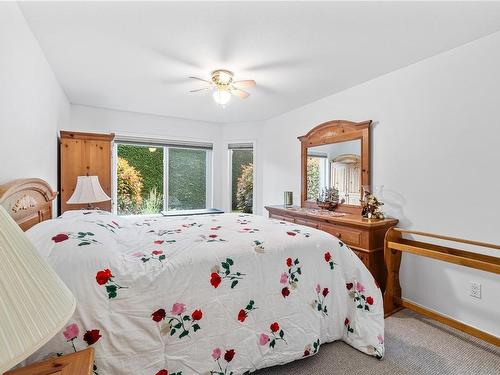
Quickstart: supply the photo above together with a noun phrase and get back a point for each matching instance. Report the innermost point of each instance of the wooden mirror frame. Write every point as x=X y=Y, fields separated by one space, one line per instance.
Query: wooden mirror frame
x=334 y=132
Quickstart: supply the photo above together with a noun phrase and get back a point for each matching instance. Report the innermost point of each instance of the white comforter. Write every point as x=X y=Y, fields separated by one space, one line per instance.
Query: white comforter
x=213 y=294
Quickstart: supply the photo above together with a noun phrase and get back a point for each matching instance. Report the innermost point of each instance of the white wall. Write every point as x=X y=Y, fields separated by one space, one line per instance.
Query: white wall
x=92 y=119
x=435 y=148
x=32 y=104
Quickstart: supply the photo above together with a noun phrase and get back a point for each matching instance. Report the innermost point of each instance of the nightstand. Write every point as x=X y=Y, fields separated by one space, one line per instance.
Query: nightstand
x=79 y=363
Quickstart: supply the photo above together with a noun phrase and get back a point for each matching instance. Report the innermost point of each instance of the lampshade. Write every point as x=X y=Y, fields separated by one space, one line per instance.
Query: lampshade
x=88 y=190
x=35 y=303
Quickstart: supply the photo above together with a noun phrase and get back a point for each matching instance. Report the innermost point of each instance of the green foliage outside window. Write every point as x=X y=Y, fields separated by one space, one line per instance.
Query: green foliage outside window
x=312 y=178
x=129 y=188
x=148 y=164
x=244 y=193
x=187 y=185
x=140 y=179
x=239 y=159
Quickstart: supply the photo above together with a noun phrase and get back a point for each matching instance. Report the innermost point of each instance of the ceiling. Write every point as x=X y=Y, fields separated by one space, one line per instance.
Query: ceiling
x=137 y=56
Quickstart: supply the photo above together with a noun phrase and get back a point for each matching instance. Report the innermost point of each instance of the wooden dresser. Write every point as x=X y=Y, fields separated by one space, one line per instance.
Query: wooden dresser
x=364 y=236
x=84 y=154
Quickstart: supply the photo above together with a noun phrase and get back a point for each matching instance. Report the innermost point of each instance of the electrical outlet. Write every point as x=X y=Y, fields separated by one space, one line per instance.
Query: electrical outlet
x=475 y=289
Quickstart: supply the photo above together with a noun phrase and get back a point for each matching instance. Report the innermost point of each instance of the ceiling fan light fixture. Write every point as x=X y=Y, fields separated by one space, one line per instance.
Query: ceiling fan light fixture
x=222 y=77
x=222 y=97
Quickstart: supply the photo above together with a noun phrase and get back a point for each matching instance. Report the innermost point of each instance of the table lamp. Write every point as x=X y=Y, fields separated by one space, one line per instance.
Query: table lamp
x=34 y=302
x=88 y=190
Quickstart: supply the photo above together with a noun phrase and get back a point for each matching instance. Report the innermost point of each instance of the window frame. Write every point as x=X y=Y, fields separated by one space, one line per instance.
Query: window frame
x=229 y=188
x=209 y=152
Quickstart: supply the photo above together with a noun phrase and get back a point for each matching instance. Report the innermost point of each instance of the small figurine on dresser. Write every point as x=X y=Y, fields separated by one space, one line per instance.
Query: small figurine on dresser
x=371 y=207
x=328 y=198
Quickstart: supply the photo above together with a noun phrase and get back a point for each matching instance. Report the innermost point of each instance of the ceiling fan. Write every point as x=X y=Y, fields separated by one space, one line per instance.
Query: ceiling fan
x=224 y=86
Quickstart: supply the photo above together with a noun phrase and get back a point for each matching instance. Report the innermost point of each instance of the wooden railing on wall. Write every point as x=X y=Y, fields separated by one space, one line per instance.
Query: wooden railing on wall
x=396 y=244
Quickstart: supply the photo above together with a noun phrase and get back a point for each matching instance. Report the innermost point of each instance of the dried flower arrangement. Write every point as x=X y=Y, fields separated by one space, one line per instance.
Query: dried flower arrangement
x=371 y=207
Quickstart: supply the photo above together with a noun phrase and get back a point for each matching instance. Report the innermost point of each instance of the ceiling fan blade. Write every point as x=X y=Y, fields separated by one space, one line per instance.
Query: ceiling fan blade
x=240 y=93
x=196 y=90
x=244 y=83
x=201 y=79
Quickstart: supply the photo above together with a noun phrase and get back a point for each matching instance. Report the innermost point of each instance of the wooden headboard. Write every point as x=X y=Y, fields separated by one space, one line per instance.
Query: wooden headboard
x=28 y=201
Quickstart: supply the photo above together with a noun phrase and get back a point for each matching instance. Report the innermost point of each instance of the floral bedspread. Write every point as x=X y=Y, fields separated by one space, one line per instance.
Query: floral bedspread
x=211 y=294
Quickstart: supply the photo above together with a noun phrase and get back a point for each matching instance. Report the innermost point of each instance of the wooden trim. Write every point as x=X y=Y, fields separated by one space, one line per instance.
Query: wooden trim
x=462 y=258
x=86 y=136
x=333 y=132
x=396 y=244
x=448 y=238
x=27 y=200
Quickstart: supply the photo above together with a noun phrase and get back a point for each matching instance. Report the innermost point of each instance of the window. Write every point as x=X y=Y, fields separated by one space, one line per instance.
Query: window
x=151 y=178
x=317 y=175
x=187 y=179
x=241 y=176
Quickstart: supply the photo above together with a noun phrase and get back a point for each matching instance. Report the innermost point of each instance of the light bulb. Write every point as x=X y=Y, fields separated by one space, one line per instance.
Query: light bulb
x=224 y=78
x=222 y=97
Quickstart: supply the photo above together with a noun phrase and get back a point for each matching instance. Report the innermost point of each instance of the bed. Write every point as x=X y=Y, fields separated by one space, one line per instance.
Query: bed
x=208 y=294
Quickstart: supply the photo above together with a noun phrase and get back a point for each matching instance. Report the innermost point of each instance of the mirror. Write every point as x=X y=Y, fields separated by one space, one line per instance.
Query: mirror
x=336 y=154
x=335 y=165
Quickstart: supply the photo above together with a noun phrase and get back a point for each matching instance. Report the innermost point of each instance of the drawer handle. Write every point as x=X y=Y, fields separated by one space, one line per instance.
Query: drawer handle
x=338 y=235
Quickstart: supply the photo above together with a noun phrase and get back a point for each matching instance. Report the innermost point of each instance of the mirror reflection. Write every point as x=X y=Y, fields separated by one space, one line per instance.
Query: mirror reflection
x=335 y=165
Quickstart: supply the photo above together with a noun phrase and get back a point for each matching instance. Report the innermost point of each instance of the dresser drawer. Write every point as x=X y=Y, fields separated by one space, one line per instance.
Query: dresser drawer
x=308 y=223
x=350 y=236
x=282 y=218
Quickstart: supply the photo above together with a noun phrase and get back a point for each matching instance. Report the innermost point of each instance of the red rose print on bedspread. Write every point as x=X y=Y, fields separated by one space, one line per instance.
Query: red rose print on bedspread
x=105 y=277
x=92 y=336
x=102 y=277
x=60 y=237
x=276 y=334
x=165 y=372
x=218 y=275
x=155 y=255
x=290 y=276
x=311 y=349
x=319 y=303
x=356 y=292
x=243 y=313
x=347 y=324
x=179 y=321
x=83 y=237
x=294 y=232
x=228 y=357
x=329 y=260
x=197 y=315
x=159 y=315
x=215 y=279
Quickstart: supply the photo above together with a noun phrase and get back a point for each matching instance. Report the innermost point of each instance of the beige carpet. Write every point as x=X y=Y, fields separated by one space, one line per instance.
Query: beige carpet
x=414 y=345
